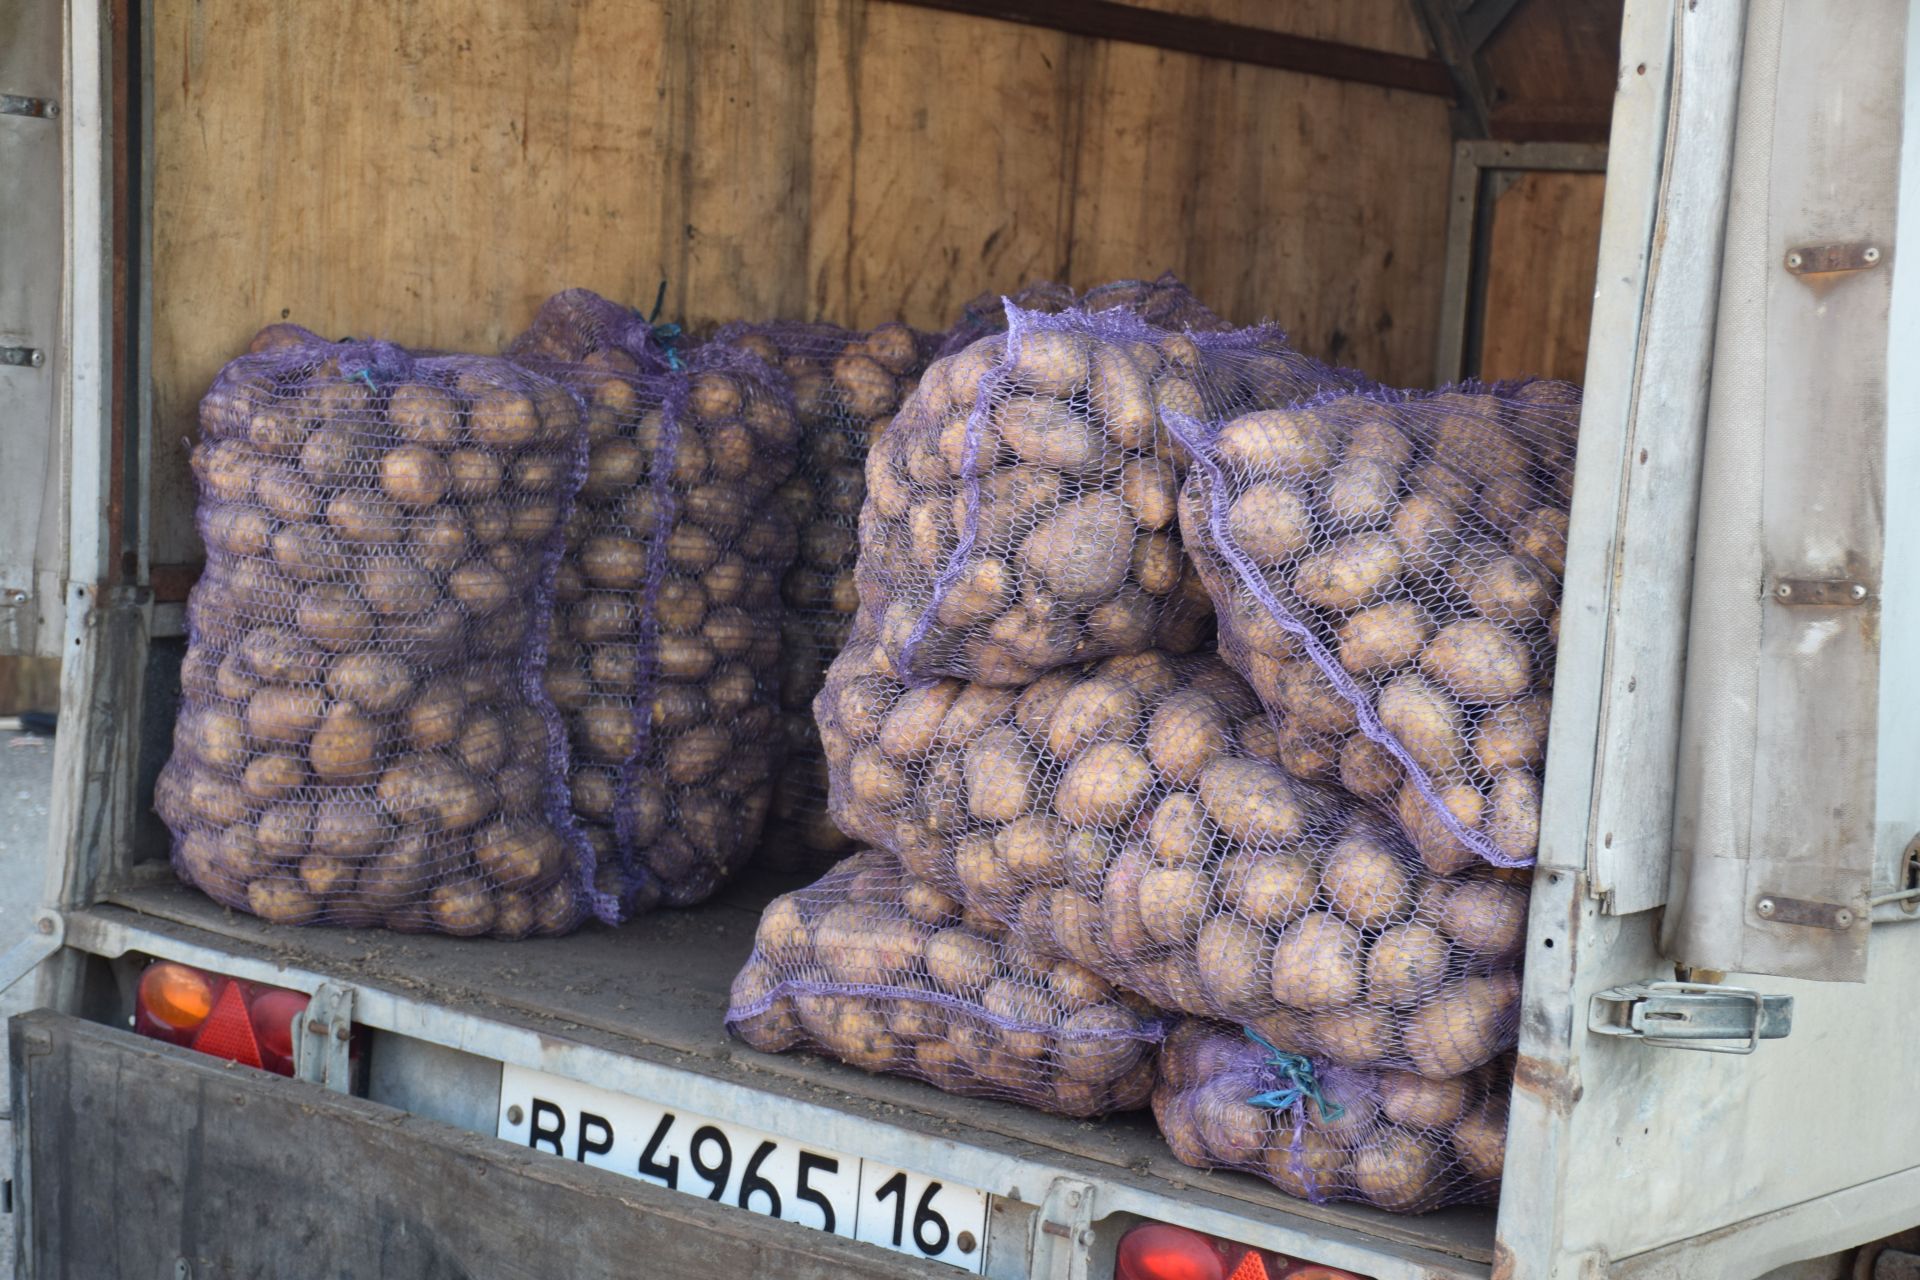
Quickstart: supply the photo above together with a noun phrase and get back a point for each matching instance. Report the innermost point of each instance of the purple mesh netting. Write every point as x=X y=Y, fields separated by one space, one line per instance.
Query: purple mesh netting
x=891 y=975
x=1399 y=1141
x=666 y=647
x=363 y=738
x=1021 y=508
x=1387 y=566
x=1140 y=816
x=846 y=386
x=1163 y=302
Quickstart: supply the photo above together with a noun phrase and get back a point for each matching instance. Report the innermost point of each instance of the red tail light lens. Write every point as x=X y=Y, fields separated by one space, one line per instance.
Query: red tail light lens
x=219 y=1016
x=1158 y=1251
x=1162 y=1251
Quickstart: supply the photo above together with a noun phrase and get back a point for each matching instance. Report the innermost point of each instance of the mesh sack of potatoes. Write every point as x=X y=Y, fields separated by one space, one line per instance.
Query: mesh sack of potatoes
x=846 y=386
x=363 y=738
x=1021 y=508
x=1387 y=569
x=1131 y=815
x=1165 y=302
x=887 y=973
x=665 y=650
x=1229 y=1098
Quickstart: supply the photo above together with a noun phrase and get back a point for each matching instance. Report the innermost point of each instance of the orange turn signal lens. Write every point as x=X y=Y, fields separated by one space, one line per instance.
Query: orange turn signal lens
x=175 y=996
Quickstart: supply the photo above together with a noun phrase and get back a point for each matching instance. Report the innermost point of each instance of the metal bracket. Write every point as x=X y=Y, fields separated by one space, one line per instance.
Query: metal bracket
x=1820 y=259
x=1777 y=909
x=321 y=1037
x=23 y=357
x=12 y=104
x=1063 y=1231
x=1691 y=1015
x=1821 y=593
x=49 y=934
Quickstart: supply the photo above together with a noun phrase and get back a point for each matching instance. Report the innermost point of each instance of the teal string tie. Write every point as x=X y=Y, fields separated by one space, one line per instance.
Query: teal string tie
x=1301 y=1082
x=366 y=375
x=665 y=334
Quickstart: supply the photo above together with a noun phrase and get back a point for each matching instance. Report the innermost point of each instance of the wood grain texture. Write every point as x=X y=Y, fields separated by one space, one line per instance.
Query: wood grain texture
x=1540 y=272
x=1552 y=66
x=429 y=172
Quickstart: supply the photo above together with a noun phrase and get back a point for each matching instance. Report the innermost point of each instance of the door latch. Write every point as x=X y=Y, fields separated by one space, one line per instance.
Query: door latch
x=1691 y=1015
x=322 y=1038
x=1063 y=1231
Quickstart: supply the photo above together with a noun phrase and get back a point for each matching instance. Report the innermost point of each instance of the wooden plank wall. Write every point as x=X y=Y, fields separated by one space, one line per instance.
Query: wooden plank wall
x=429 y=171
x=1541 y=259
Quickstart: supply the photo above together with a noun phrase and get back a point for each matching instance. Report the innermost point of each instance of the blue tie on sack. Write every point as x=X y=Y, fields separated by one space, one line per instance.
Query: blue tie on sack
x=665 y=334
x=1296 y=1069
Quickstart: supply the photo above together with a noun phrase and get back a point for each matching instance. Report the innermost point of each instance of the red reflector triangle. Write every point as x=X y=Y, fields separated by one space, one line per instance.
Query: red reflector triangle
x=228 y=1031
x=1252 y=1267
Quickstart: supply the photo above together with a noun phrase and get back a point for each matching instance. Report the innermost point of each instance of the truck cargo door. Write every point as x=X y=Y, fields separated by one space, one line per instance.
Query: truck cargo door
x=33 y=549
x=1799 y=560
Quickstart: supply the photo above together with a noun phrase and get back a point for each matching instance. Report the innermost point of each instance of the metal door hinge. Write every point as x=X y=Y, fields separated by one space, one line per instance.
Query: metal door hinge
x=48 y=935
x=1820 y=259
x=1691 y=1015
x=1063 y=1232
x=322 y=1036
x=13 y=104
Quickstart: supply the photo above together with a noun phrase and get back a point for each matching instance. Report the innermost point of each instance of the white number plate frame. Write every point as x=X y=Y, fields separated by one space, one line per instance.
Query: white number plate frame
x=757 y=1170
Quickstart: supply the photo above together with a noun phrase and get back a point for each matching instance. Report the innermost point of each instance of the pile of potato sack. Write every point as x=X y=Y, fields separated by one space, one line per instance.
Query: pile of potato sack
x=1180 y=701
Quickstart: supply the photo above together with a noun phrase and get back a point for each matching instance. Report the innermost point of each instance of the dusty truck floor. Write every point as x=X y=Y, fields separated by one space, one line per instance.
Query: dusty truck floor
x=656 y=990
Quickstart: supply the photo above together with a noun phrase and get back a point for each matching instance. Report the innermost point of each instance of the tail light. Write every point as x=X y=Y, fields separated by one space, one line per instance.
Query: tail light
x=1162 y=1251
x=244 y=1022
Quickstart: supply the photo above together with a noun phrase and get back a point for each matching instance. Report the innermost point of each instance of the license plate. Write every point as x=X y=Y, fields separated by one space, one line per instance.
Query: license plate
x=762 y=1172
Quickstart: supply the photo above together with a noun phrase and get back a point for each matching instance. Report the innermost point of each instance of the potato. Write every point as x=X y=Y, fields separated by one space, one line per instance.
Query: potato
x=238 y=531
x=272 y=775
x=1234 y=1131
x=1398 y=1171
x=363 y=518
x=424 y=415
x=1102 y=786
x=1480 y=1141
x=1275 y=442
x=1501 y=587
x=479 y=587
x=1313 y=1167
x=1173 y=903
x=1270 y=522
x=1150 y=488
x=502 y=418
x=280 y=900
x=1317 y=963
x=1032 y=849
x=1359 y=493
x=345 y=745
x=519 y=853
x=1268 y=889
x=376 y=683
x=1406 y=965
x=275 y=714
x=334 y=618
x=1252 y=801
x=1000 y=770
x=1187 y=734
x=464 y=908
x=347 y=826
x=1419 y=1103
x=305 y=553
x=873 y=780
x=1179 y=833
x=694 y=756
x=1513 y=815
x=1312 y=702
x=1358 y=1035
x=215 y=800
x=1466 y=1023
x=1364 y=881
x=232 y=682
x=1513 y=735
x=1443 y=852
x=393 y=587
x=1234 y=962
x=1478 y=661
x=1099 y=707
x=1384 y=636
x=328 y=455
x=1425 y=720
x=415 y=476
x=1082 y=550
x=1350 y=573
x=1484 y=916
x=983 y=877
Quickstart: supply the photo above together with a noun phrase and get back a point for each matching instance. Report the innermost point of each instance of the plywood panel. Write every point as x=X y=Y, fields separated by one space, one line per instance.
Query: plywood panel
x=1540 y=271
x=1388 y=25
x=428 y=172
x=1553 y=65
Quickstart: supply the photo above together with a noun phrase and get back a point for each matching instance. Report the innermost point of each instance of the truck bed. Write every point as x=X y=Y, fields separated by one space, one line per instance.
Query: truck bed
x=655 y=990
